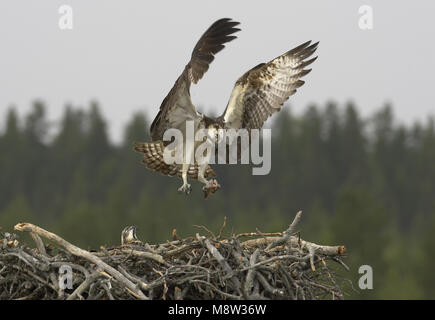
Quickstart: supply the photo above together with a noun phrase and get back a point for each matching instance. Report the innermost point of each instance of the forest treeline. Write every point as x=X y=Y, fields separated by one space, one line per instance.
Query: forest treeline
x=367 y=183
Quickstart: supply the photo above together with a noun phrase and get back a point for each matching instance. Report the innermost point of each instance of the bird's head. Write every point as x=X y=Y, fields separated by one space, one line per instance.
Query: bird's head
x=213 y=132
x=128 y=235
x=214 y=126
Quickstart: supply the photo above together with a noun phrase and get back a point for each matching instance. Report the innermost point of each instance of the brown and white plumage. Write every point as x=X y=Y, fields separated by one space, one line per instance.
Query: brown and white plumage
x=257 y=95
x=177 y=107
x=153 y=159
x=261 y=91
x=128 y=236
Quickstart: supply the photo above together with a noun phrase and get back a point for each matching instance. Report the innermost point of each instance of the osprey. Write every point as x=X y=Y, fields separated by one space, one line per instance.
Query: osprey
x=257 y=95
x=128 y=236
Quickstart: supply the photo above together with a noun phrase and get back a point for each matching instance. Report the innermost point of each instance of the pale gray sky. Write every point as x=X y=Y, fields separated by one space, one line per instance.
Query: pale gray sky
x=127 y=54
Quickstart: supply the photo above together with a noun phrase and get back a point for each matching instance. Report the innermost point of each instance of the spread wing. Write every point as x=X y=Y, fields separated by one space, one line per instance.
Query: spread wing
x=154 y=160
x=177 y=107
x=261 y=91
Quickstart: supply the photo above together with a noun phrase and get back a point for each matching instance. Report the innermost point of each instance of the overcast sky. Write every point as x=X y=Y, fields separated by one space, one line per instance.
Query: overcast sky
x=127 y=54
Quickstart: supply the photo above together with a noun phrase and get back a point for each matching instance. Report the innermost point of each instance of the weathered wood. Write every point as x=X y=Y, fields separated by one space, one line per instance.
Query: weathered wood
x=80 y=253
x=273 y=265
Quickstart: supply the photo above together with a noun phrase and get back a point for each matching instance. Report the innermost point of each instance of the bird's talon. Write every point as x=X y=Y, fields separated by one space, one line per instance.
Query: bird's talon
x=185 y=188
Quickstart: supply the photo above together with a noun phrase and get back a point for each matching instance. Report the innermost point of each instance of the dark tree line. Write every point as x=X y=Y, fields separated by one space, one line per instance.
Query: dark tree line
x=368 y=183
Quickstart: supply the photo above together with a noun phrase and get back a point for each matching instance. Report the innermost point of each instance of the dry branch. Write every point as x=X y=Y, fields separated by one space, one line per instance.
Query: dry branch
x=276 y=265
x=80 y=253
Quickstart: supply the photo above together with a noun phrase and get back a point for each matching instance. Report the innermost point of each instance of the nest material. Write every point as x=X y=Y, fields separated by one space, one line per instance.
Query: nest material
x=262 y=266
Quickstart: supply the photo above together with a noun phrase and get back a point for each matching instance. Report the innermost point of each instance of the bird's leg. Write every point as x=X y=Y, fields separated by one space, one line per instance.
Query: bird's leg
x=186 y=188
x=201 y=172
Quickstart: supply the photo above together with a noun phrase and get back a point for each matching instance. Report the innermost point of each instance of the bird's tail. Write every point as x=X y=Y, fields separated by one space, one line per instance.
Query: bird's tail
x=153 y=160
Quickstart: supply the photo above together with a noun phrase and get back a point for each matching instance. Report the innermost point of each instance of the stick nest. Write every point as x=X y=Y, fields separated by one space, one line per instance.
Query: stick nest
x=245 y=266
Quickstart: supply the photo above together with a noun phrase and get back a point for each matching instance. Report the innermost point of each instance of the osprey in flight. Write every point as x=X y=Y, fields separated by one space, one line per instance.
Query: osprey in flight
x=257 y=95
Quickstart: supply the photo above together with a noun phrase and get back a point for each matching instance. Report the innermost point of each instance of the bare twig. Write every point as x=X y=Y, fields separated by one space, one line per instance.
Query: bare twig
x=286 y=234
x=39 y=243
x=266 y=266
x=80 y=253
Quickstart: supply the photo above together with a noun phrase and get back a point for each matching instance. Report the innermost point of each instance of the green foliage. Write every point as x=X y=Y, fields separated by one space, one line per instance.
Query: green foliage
x=365 y=183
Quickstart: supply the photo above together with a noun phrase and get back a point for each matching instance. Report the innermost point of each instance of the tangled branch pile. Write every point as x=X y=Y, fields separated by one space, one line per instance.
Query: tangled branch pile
x=263 y=266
